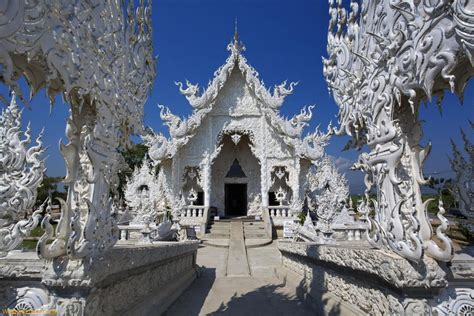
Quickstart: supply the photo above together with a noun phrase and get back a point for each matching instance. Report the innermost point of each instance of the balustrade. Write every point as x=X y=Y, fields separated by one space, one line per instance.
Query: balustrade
x=193 y=211
x=279 y=211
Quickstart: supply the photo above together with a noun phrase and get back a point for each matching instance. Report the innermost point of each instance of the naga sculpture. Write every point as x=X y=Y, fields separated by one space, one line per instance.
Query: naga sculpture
x=312 y=146
x=21 y=173
x=382 y=62
x=99 y=57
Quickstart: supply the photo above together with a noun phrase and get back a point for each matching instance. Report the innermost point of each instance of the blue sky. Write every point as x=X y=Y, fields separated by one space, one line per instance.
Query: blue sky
x=284 y=40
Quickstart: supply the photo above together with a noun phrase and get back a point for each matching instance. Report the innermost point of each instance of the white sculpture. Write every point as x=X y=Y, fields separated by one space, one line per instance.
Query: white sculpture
x=236 y=115
x=102 y=62
x=183 y=129
x=327 y=191
x=147 y=194
x=381 y=64
x=255 y=206
x=21 y=173
x=463 y=170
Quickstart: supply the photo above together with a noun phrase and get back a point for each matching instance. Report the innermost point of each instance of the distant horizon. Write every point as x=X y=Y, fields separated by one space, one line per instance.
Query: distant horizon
x=284 y=42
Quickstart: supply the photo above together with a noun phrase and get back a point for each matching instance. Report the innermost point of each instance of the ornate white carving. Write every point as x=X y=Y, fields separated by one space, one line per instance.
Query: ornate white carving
x=192 y=196
x=326 y=193
x=255 y=205
x=30 y=299
x=381 y=64
x=280 y=196
x=102 y=62
x=463 y=170
x=455 y=301
x=147 y=193
x=183 y=129
x=235 y=138
x=21 y=173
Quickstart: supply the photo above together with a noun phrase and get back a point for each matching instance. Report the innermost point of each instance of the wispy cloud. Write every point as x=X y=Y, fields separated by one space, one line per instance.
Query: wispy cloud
x=342 y=164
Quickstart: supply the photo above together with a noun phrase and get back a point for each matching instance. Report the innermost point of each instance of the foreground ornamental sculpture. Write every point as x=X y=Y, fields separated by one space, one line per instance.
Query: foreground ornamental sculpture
x=21 y=173
x=101 y=62
x=384 y=59
x=235 y=145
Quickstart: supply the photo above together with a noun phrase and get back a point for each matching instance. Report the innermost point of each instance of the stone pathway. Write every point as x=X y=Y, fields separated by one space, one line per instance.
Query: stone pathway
x=237 y=263
x=256 y=291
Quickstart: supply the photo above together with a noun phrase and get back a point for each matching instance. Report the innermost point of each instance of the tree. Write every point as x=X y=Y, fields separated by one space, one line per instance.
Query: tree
x=133 y=157
x=444 y=187
x=48 y=186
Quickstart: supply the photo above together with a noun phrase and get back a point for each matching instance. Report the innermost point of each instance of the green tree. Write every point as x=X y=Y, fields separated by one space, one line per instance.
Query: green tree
x=133 y=157
x=49 y=185
x=444 y=187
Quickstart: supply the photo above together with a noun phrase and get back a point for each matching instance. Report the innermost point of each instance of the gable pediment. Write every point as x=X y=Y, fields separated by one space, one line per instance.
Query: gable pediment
x=236 y=98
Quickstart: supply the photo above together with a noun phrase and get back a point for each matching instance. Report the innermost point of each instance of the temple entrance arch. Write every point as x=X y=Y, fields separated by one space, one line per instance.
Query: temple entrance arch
x=235 y=173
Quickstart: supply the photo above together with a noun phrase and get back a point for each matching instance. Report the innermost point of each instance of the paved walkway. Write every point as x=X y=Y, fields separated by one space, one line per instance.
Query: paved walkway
x=219 y=291
x=237 y=263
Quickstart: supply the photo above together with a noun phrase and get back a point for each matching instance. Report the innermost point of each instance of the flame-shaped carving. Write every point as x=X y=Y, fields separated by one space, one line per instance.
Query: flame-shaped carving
x=382 y=62
x=21 y=173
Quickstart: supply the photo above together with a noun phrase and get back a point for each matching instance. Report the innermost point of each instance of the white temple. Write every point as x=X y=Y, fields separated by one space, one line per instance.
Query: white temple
x=235 y=149
x=234 y=156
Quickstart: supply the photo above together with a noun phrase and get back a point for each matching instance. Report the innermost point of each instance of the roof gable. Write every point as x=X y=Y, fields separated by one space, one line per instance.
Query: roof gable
x=236 y=71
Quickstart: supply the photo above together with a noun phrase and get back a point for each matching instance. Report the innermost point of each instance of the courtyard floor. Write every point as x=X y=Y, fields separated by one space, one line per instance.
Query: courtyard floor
x=219 y=291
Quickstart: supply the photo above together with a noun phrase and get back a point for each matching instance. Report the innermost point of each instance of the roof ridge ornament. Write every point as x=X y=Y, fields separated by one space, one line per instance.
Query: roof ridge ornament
x=236 y=46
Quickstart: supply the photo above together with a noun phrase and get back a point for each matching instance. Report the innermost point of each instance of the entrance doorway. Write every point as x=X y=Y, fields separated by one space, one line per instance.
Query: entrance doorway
x=236 y=199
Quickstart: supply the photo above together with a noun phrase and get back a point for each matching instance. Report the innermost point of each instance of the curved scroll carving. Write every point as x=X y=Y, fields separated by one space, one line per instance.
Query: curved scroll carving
x=382 y=62
x=21 y=173
x=102 y=62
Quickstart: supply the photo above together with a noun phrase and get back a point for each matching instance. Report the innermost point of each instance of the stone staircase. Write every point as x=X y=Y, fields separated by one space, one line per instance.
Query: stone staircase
x=254 y=234
x=218 y=232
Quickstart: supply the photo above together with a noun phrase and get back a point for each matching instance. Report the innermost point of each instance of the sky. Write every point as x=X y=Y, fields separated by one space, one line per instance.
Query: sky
x=285 y=40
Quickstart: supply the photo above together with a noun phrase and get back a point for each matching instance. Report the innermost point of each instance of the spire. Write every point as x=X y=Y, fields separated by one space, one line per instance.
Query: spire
x=236 y=33
x=236 y=47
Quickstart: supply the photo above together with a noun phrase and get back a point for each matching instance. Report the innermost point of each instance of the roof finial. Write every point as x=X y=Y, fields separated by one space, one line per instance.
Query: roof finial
x=236 y=32
x=235 y=46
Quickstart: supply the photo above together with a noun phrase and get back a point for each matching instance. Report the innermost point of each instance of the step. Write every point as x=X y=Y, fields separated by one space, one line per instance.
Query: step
x=253 y=223
x=219 y=223
x=218 y=228
x=216 y=236
x=254 y=229
x=257 y=242
x=216 y=242
x=218 y=231
x=256 y=236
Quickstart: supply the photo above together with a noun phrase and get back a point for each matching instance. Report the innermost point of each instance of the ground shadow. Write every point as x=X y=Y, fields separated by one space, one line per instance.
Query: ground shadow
x=266 y=300
x=192 y=300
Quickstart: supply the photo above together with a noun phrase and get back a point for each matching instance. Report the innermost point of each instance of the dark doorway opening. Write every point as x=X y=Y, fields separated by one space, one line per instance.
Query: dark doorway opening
x=235 y=199
x=200 y=199
x=272 y=201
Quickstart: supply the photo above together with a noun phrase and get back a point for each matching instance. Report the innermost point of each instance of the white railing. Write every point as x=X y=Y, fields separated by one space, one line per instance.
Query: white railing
x=195 y=215
x=193 y=211
x=351 y=232
x=279 y=214
x=279 y=211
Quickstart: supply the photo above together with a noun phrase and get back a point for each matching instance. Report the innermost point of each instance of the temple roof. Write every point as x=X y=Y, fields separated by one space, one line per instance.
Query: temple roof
x=182 y=130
